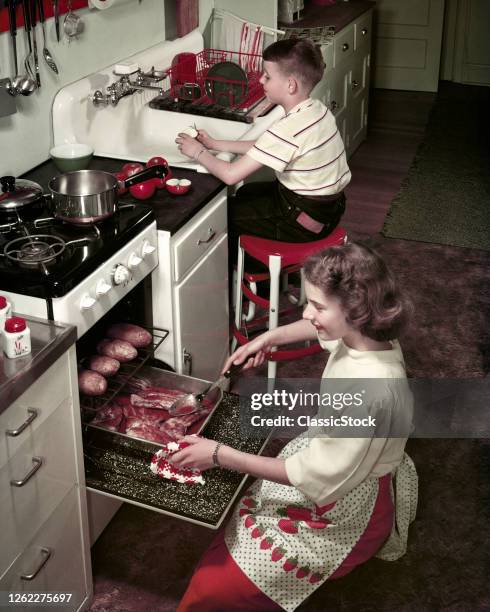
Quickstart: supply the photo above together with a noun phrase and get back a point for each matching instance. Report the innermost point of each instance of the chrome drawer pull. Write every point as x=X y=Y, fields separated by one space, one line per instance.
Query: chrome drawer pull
x=26 y=423
x=345 y=46
x=37 y=464
x=46 y=552
x=211 y=235
x=355 y=84
x=364 y=31
x=333 y=105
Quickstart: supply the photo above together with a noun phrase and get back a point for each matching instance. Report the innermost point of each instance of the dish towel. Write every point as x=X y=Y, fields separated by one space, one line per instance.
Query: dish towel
x=242 y=38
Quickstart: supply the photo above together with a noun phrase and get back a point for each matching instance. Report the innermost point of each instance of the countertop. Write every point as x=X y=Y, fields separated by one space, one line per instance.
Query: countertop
x=49 y=341
x=171 y=211
x=338 y=15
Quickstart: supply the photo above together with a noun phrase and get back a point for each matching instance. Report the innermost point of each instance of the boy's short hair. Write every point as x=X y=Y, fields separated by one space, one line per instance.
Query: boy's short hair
x=298 y=57
x=366 y=289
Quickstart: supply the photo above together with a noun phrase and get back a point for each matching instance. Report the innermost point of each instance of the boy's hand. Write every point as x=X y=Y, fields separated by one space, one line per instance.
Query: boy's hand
x=204 y=138
x=187 y=145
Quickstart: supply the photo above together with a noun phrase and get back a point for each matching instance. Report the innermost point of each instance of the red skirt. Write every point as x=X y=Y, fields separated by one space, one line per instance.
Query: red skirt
x=219 y=585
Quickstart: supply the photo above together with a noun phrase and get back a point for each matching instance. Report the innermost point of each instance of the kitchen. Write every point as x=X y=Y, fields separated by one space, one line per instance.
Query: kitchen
x=130 y=35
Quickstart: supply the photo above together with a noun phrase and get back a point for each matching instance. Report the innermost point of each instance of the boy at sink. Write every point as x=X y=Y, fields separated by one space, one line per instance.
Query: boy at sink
x=325 y=504
x=304 y=148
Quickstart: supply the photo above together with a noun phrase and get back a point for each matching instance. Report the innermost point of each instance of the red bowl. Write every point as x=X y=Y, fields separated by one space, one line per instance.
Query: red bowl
x=178 y=186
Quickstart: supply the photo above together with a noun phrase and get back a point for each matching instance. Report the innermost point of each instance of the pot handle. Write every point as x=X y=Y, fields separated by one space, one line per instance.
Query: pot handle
x=148 y=173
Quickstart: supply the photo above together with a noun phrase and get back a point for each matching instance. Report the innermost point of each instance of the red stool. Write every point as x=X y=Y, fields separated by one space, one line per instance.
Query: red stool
x=280 y=258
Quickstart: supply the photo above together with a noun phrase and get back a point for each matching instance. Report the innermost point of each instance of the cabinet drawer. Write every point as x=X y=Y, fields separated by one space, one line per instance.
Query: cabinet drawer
x=363 y=27
x=43 y=396
x=58 y=543
x=24 y=508
x=343 y=45
x=194 y=241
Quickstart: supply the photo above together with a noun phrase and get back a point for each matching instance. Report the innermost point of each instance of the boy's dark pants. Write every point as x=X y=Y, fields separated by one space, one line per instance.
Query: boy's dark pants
x=269 y=210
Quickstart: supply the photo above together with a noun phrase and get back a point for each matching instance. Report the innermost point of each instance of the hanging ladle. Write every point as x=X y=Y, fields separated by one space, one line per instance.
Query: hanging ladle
x=21 y=83
x=191 y=402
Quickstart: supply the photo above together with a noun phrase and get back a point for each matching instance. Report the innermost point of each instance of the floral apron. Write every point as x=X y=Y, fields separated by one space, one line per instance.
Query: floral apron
x=288 y=546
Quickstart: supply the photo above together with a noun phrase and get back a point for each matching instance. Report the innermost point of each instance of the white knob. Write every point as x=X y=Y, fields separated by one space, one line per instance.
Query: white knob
x=147 y=248
x=87 y=302
x=120 y=275
x=102 y=288
x=134 y=261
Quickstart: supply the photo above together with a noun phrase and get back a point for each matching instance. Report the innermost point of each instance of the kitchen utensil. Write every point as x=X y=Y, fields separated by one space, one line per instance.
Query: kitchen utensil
x=226 y=84
x=188 y=91
x=183 y=69
x=24 y=85
x=48 y=58
x=13 y=32
x=18 y=193
x=70 y=157
x=56 y=13
x=194 y=400
x=178 y=186
x=85 y=197
x=27 y=30
x=34 y=42
x=72 y=24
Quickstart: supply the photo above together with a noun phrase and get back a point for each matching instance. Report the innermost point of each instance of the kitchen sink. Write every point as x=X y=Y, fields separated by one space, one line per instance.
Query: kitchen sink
x=133 y=130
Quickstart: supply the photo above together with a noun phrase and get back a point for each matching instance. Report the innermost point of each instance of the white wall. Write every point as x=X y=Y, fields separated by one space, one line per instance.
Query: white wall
x=110 y=35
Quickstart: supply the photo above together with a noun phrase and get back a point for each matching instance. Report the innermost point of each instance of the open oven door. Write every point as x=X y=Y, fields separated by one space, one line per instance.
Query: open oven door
x=118 y=466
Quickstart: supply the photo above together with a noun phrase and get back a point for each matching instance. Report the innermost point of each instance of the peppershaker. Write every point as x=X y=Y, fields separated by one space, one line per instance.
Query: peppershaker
x=16 y=337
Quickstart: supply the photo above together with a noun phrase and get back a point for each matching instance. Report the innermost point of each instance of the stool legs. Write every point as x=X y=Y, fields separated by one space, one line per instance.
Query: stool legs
x=275 y=276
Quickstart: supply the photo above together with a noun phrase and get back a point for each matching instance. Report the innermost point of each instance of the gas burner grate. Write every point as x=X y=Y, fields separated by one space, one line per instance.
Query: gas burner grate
x=33 y=251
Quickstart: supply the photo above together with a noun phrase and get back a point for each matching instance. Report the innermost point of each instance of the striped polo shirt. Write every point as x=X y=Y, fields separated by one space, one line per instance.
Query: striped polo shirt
x=306 y=150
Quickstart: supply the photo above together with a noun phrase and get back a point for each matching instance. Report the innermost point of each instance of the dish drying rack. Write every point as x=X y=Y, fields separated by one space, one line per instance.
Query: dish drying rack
x=195 y=71
x=91 y=404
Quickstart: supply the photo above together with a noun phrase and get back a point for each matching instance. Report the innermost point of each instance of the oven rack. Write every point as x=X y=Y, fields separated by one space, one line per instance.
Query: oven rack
x=115 y=384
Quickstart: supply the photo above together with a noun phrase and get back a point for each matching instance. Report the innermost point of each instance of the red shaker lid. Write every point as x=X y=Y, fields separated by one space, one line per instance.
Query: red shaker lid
x=3 y=301
x=15 y=324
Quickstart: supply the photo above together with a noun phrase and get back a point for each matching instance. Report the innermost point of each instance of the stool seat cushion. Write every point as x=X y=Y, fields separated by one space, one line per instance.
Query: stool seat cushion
x=290 y=252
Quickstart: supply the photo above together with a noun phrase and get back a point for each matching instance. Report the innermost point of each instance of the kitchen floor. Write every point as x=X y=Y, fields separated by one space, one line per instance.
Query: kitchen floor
x=144 y=560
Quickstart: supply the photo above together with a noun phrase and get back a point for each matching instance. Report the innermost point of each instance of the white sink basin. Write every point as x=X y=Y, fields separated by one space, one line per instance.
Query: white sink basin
x=133 y=130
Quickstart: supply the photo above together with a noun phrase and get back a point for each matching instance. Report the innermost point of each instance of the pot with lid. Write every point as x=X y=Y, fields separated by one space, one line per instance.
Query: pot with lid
x=88 y=196
x=18 y=193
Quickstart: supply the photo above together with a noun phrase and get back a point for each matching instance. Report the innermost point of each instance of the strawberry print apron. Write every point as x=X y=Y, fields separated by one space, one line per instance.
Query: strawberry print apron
x=288 y=546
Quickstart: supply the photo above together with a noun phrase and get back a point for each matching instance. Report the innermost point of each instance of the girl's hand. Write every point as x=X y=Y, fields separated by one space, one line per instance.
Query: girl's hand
x=199 y=453
x=253 y=354
x=204 y=138
x=187 y=145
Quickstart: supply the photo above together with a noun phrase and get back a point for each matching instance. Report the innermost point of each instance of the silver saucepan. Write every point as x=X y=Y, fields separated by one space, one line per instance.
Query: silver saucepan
x=88 y=196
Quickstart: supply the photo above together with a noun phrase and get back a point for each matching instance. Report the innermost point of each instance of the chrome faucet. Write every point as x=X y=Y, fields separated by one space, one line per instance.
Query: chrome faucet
x=124 y=86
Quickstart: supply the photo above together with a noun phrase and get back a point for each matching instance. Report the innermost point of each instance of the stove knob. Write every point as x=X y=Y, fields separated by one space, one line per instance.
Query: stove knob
x=147 y=249
x=134 y=261
x=120 y=275
x=102 y=288
x=87 y=302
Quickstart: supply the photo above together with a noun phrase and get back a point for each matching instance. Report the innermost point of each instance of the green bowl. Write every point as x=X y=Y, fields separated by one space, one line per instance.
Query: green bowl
x=70 y=157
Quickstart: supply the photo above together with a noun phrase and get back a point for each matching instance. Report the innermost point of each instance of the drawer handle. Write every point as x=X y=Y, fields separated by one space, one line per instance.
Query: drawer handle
x=26 y=423
x=211 y=235
x=46 y=553
x=37 y=464
x=187 y=359
x=345 y=46
x=355 y=84
x=364 y=31
x=333 y=105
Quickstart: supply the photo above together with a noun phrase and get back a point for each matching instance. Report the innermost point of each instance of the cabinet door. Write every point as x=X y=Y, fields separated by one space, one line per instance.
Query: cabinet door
x=201 y=315
x=337 y=100
x=358 y=102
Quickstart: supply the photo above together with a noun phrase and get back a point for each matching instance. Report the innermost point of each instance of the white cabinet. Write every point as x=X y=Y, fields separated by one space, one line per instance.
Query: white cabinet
x=190 y=292
x=345 y=85
x=43 y=513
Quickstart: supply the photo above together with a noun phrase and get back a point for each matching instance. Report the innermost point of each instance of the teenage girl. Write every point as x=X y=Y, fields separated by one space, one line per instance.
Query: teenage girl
x=325 y=504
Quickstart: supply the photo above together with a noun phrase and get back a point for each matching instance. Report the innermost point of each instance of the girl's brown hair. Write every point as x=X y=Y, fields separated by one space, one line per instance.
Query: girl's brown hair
x=299 y=57
x=366 y=289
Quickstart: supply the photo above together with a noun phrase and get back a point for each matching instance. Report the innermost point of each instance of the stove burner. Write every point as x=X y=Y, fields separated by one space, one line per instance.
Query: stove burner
x=34 y=251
